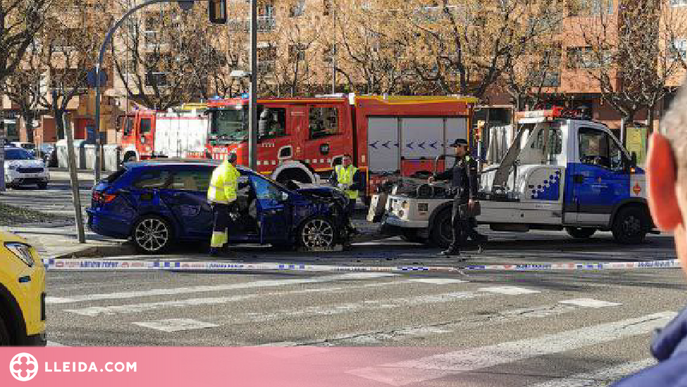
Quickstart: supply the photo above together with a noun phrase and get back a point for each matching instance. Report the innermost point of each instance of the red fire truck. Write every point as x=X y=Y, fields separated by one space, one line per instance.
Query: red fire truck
x=303 y=139
x=178 y=133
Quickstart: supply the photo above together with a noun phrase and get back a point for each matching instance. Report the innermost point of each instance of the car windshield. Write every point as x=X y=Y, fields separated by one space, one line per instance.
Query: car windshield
x=229 y=125
x=17 y=154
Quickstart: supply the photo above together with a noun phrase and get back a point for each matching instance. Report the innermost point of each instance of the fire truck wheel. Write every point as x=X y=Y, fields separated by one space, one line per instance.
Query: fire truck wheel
x=442 y=234
x=580 y=232
x=631 y=225
x=129 y=157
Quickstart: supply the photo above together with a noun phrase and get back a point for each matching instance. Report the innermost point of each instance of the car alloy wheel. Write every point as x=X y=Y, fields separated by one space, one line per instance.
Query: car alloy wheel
x=152 y=234
x=317 y=233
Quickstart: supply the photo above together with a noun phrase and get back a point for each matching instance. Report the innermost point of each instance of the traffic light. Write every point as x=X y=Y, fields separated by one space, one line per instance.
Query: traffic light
x=217 y=11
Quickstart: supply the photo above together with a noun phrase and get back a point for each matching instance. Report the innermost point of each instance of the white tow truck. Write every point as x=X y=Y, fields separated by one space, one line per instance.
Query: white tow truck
x=562 y=171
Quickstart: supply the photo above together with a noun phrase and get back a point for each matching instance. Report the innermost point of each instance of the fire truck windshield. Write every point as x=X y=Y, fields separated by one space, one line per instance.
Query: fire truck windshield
x=229 y=125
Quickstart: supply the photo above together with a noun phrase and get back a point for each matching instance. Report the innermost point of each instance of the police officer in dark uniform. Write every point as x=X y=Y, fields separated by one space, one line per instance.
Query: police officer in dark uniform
x=464 y=184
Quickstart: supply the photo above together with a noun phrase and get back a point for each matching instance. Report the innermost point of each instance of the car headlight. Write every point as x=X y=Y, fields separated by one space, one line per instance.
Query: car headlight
x=21 y=251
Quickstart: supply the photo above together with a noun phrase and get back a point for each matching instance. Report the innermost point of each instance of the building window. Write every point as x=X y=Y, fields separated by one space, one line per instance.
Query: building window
x=297 y=9
x=679 y=47
x=678 y=3
x=296 y=53
x=324 y=121
x=327 y=7
x=156 y=78
x=597 y=7
x=588 y=58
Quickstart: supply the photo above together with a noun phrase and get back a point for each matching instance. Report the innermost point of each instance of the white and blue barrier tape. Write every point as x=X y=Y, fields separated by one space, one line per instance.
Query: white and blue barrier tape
x=113 y=264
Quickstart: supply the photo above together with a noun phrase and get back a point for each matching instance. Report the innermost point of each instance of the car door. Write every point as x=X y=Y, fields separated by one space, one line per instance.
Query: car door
x=186 y=197
x=599 y=177
x=273 y=210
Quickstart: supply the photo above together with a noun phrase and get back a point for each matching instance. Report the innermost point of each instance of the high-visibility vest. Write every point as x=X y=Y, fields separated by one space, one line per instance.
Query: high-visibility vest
x=224 y=184
x=345 y=176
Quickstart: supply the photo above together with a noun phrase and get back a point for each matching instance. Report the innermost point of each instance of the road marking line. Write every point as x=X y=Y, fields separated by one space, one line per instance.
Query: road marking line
x=94 y=311
x=438 y=366
x=175 y=324
x=601 y=377
x=509 y=290
x=438 y=281
x=472 y=322
x=213 y=288
x=590 y=303
x=365 y=305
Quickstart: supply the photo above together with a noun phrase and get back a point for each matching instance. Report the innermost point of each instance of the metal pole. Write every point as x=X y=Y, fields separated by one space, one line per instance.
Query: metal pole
x=253 y=107
x=622 y=131
x=3 y=137
x=74 y=178
x=108 y=38
x=333 y=47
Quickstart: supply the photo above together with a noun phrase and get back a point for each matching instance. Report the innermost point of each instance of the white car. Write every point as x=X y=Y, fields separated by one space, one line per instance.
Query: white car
x=21 y=168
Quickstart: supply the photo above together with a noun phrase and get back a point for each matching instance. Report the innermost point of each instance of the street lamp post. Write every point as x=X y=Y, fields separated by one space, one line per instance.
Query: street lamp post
x=253 y=95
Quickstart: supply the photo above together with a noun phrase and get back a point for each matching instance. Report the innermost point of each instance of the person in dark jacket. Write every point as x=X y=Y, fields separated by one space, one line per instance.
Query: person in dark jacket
x=667 y=197
x=349 y=180
x=464 y=183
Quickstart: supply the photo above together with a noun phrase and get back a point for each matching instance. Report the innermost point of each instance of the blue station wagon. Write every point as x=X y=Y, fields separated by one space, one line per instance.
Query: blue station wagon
x=157 y=203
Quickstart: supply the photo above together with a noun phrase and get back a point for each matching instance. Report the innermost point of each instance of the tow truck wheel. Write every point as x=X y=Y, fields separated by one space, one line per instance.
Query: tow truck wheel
x=442 y=234
x=631 y=225
x=580 y=232
x=4 y=336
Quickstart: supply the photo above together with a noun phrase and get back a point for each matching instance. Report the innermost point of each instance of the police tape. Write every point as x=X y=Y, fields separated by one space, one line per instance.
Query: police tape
x=112 y=264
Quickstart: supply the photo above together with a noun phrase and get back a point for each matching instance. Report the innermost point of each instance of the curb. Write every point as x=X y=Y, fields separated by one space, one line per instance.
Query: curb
x=96 y=251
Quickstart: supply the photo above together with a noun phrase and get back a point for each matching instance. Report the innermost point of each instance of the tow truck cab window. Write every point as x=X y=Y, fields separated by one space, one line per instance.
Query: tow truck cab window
x=323 y=121
x=541 y=144
x=598 y=148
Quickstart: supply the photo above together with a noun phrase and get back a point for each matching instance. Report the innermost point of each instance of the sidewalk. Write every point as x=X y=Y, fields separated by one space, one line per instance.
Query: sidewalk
x=59 y=240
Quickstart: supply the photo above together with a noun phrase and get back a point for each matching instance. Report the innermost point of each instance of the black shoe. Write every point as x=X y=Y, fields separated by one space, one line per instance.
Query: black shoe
x=480 y=249
x=450 y=252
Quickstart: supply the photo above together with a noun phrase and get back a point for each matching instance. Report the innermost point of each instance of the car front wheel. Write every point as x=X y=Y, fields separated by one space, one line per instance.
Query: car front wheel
x=152 y=235
x=317 y=233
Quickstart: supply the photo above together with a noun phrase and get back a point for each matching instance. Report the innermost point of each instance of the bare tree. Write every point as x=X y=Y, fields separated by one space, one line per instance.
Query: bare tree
x=68 y=45
x=631 y=55
x=466 y=46
x=21 y=19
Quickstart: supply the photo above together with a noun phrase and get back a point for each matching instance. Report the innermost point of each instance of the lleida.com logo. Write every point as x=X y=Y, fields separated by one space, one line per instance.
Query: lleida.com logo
x=24 y=367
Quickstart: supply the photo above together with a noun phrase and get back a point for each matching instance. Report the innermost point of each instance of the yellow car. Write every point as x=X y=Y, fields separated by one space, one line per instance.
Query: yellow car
x=22 y=293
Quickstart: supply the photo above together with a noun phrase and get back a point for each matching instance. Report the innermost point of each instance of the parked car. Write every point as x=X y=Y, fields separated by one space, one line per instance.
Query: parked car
x=157 y=203
x=23 y=169
x=30 y=147
x=22 y=293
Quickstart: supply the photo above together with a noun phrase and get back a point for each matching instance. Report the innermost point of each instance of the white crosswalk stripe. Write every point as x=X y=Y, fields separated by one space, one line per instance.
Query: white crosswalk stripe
x=215 y=288
x=439 y=366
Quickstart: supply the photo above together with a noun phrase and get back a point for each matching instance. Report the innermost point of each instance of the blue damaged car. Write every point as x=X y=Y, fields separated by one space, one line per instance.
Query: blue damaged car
x=158 y=203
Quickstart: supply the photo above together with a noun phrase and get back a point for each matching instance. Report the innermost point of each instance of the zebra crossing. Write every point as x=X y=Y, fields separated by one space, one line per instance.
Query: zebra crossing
x=482 y=324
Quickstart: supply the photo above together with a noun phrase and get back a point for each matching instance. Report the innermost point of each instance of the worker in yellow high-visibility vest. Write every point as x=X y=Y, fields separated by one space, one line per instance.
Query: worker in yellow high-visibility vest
x=221 y=195
x=349 y=180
